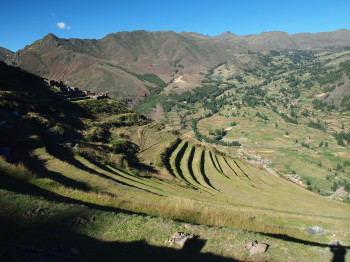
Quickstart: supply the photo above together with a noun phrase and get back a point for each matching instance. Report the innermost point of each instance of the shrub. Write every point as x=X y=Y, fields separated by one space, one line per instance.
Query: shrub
x=316 y=125
x=104 y=106
x=123 y=146
x=100 y=133
x=58 y=130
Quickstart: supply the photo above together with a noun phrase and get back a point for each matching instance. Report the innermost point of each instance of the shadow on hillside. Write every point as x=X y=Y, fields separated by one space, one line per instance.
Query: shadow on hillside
x=43 y=240
x=60 y=233
x=38 y=242
x=144 y=167
x=109 y=170
x=37 y=166
x=338 y=250
x=66 y=155
x=21 y=187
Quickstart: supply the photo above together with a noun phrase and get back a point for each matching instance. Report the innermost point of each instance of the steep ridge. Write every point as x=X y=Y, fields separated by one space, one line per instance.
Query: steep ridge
x=5 y=54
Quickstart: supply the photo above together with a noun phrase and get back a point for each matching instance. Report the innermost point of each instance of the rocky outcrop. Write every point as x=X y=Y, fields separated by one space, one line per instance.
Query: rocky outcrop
x=255 y=248
x=179 y=238
x=36 y=211
x=315 y=231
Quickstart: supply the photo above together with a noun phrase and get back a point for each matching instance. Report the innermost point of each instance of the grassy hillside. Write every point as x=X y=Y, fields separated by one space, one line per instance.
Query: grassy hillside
x=109 y=181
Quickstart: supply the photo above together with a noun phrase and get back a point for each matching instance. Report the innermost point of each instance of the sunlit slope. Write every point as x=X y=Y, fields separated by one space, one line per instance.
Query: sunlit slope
x=243 y=183
x=207 y=188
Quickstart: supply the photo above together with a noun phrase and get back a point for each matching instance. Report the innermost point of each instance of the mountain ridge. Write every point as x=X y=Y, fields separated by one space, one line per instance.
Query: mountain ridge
x=179 y=59
x=5 y=53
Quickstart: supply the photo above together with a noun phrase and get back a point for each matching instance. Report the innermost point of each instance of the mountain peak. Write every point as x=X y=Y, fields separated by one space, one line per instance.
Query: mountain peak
x=48 y=40
x=226 y=36
x=227 y=33
x=50 y=36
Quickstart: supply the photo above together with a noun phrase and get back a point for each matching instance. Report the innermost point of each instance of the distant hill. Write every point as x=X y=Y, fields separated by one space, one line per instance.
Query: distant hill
x=282 y=40
x=116 y=63
x=5 y=54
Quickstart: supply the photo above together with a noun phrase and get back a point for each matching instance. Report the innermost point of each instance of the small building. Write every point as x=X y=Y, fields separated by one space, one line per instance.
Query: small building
x=61 y=88
x=100 y=96
x=89 y=93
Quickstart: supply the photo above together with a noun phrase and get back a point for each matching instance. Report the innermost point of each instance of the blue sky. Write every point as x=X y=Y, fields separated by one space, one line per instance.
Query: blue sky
x=24 y=21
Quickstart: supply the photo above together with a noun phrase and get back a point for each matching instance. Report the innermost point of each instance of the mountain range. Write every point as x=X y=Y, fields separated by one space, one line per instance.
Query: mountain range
x=115 y=63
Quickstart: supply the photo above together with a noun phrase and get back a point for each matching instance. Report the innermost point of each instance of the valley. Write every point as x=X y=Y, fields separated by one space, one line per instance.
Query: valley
x=250 y=142
x=276 y=117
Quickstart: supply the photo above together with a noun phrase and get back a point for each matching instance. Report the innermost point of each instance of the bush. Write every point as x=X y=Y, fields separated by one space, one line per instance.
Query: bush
x=58 y=130
x=316 y=125
x=123 y=146
x=101 y=133
x=104 y=106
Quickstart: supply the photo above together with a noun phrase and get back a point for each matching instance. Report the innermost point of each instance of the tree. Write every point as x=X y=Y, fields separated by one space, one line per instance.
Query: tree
x=334 y=187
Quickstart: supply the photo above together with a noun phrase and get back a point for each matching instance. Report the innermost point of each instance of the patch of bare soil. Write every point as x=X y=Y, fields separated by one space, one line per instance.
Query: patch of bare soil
x=157 y=113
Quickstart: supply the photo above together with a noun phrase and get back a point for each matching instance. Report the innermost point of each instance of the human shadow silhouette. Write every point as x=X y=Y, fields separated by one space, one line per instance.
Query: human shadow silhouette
x=339 y=251
x=194 y=245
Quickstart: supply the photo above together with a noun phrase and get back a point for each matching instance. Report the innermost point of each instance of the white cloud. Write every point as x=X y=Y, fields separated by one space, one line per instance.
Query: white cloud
x=62 y=25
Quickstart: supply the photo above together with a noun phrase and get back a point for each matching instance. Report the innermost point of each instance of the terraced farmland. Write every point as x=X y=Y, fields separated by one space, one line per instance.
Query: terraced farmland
x=264 y=196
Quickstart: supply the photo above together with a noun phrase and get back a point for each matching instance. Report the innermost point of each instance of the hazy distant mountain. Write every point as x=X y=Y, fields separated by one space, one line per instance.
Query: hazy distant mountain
x=5 y=54
x=308 y=41
x=106 y=64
